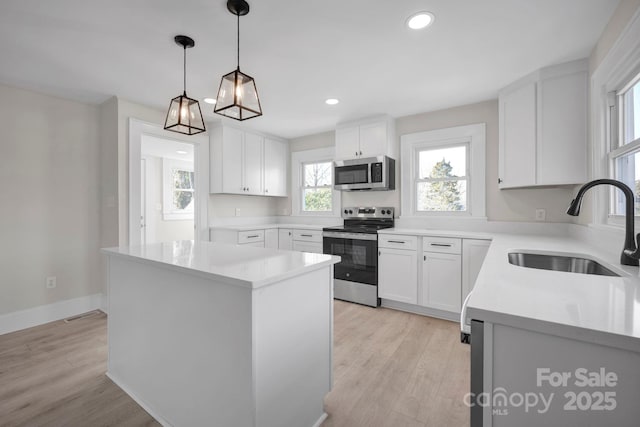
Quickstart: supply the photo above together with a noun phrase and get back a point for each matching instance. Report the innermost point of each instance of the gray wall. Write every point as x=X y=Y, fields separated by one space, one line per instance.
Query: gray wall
x=50 y=210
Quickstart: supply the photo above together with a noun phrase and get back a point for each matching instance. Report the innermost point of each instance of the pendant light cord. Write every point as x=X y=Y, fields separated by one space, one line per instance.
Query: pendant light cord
x=238 y=41
x=184 y=71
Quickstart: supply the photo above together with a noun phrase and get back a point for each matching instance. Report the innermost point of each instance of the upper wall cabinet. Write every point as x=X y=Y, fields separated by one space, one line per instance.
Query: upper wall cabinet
x=543 y=128
x=366 y=138
x=247 y=163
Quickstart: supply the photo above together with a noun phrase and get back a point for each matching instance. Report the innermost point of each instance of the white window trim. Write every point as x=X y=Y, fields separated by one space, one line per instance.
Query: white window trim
x=298 y=158
x=473 y=135
x=168 y=213
x=621 y=64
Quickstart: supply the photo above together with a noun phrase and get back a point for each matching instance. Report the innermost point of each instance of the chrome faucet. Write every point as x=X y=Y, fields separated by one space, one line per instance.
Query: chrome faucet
x=631 y=252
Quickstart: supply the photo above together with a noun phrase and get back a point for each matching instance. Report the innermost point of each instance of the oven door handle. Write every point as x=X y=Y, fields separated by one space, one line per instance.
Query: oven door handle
x=350 y=236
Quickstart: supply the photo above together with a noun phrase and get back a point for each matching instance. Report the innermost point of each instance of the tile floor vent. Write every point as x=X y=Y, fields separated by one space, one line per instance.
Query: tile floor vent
x=81 y=316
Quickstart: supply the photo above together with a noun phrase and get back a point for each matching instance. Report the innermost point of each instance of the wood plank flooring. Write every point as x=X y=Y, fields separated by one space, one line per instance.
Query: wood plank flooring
x=390 y=369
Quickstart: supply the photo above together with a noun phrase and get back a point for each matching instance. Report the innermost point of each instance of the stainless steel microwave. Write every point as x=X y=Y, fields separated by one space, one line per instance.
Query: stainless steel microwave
x=370 y=173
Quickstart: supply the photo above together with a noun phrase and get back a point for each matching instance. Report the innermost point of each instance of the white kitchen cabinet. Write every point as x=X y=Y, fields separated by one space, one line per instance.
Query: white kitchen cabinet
x=440 y=287
x=397 y=275
x=271 y=238
x=304 y=246
x=543 y=128
x=252 y=167
x=246 y=237
x=366 y=138
x=473 y=253
x=285 y=238
x=247 y=163
x=276 y=154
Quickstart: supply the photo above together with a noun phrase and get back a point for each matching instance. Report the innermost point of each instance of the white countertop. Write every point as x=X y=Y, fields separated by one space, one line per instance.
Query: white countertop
x=437 y=233
x=269 y=226
x=241 y=265
x=606 y=310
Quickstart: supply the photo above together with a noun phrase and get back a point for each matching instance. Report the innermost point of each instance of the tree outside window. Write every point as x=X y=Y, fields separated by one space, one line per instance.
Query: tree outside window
x=441 y=184
x=317 y=187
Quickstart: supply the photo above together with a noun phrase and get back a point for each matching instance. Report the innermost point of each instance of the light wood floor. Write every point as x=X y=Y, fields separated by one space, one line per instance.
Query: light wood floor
x=390 y=369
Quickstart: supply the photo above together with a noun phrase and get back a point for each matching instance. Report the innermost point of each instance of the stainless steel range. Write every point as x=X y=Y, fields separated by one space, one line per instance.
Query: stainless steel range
x=356 y=276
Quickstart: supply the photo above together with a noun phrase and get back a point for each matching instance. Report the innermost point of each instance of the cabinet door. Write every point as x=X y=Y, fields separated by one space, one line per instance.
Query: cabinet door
x=271 y=238
x=441 y=281
x=373 y=139
x=285 y=239
x=307 y=247
x=398 y=275
x=473 y=253
x=275 y=167
x=232 y=181
x=348 y=143
x=253 y=146
x=517 y=148
x=562 y=143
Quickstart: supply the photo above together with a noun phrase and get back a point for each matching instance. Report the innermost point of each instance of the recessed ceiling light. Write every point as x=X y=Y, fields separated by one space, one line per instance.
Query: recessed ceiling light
x=181 y=152
x=332 y=101
x=420 y=20
x=210 y=100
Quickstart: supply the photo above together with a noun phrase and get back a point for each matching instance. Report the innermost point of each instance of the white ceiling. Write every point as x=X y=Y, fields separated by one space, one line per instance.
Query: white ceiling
x=167 y=148
x=299 y=51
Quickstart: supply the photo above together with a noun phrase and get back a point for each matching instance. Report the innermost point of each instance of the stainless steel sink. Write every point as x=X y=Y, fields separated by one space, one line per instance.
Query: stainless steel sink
x=560 y=263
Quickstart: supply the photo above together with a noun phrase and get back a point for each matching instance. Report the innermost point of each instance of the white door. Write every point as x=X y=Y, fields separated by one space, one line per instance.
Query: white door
x=347 y=143
x=253 y=146
x=275 y=167
x=398 y=275
x=441 y=281
x=373 y=139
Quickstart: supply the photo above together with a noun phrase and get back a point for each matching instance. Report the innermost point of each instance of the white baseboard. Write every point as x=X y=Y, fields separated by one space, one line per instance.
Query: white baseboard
x=40 y=315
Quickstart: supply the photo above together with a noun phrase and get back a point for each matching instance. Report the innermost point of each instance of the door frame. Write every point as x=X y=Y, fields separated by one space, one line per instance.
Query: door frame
x=138 y=128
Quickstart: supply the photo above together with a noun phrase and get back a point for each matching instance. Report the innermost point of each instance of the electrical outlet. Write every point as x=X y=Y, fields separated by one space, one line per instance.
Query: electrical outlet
x=50 y=282
x=541 y=214
x=237 y=211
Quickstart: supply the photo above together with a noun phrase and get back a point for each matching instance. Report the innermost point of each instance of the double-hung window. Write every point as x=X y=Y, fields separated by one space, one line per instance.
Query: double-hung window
x=312 y=183
x=178 y=190
x=317 y=187
x=443 y=172
x=624 y=135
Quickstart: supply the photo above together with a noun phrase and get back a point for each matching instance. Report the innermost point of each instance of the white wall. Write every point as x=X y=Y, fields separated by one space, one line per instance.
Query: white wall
x=158 y=229
x=50 y=192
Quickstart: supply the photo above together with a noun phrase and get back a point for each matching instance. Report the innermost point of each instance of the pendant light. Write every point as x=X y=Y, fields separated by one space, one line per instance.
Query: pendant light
x=184 y=115
x=238 y=96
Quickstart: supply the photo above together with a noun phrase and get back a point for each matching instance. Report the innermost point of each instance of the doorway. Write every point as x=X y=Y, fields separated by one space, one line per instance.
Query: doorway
x=168 y=185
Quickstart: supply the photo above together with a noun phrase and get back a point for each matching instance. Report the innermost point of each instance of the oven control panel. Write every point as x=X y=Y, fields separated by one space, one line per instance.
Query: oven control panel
x=368 y=212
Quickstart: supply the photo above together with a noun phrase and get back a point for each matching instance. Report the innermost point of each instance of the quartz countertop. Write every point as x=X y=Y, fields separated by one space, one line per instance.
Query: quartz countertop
x=600 y=309
x=269 y=226
x=437 y=233
x=250 y=267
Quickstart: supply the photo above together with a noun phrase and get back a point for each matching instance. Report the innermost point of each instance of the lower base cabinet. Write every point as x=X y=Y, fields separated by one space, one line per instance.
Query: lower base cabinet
x=307 y=246
x=395 y=279
x=441 y=284
x=285 y=238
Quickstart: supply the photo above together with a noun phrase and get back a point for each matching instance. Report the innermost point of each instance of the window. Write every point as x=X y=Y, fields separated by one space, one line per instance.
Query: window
x=312 y=183
x=624 y=132
x=316 y=192
x=178 y=189
x=441 y=179
x=439 y=170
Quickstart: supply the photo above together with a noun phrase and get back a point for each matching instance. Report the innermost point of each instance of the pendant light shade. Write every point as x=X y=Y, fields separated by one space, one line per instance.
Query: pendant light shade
x=184 y=115
x=238 y=95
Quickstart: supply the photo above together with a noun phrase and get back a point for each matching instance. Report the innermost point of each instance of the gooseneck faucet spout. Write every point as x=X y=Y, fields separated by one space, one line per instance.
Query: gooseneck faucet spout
x=631 y=252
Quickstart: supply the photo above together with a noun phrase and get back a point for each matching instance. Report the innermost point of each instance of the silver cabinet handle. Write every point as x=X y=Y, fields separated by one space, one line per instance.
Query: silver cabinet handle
x=306 y=235
x=253 y=236
x=356 y=153
x=361 y=153
x=266 y=190
x=289 y=233
x=397 y=241
x=442 y=245
x=425 y=257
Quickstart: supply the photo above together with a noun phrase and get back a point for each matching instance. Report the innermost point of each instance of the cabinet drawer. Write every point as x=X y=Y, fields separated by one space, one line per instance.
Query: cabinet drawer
x=444 y=245
x=307 y=235
x=250 y=236
x=397 y=241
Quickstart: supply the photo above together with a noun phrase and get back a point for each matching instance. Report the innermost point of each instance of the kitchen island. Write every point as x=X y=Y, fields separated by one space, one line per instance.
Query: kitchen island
x=203 y=333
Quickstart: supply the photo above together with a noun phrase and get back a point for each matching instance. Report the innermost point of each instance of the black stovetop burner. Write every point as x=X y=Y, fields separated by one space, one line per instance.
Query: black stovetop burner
x=364 y=220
